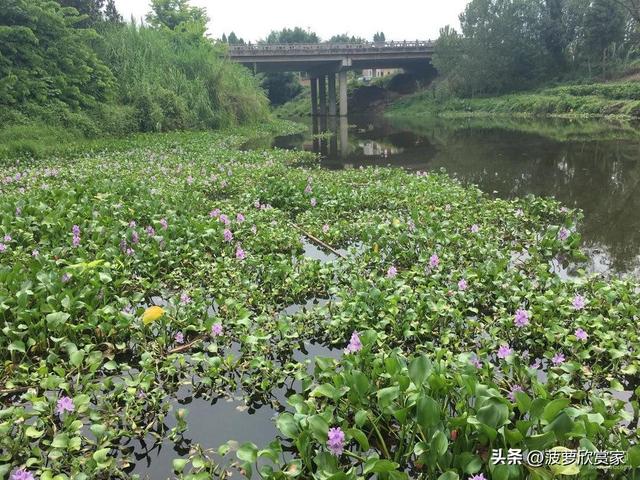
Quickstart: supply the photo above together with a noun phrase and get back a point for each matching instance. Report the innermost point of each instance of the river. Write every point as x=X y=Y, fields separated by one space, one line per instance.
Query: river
x=593 y=165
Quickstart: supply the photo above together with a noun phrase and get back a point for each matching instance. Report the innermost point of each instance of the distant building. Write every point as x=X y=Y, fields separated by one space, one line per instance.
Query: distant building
x=371 y=73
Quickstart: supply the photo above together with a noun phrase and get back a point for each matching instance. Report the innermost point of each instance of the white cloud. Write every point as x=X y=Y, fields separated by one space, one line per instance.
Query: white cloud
x=254 y=19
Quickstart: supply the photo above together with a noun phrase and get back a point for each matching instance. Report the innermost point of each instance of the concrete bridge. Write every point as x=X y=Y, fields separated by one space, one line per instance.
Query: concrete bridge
x=326 y=61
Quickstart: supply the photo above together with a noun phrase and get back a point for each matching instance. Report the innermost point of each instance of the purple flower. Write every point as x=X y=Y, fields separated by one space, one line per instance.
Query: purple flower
x=130 y=252
x=578 y=302
x=563 y=234
x=240 y=253
x=480 y=476
x=581 y=335
x=558 y=359
x=519 y=213
x=35 y=253
x=123 y=244
x=65 y=278
x=185 y=299
x=224 y=219
x=76 y=241
x=504 y=351
x=164 y=224
x=256 y=204
x=228 y=236
x=135 y=238
x=325 y=228
x=179 y=337
x=240 y=218
x=150 y=231
x=314 y=202
x=392 y=272
x=65 y=404
x=7 y=238
x=21 y=474
x=354 y=344
x=18 y=211
x=216 y=330
x=521 y=318
x=308 y=189
x=514 y=390
x=475 y=361
x=335 y=441
x=462 y=285
x=434 y=261
x=214 y=213
x=132 y=224
x=3 y=247
x=75 y=230
x=475 y=228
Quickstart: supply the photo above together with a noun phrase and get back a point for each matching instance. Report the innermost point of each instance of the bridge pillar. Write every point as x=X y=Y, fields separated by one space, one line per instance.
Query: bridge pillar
x=332 y=95
x=342 y=76
x=323 y=94
x=314 y=96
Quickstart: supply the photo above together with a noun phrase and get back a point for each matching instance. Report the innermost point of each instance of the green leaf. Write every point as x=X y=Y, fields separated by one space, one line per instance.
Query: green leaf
x=450 y=475
x=379 y=466
x=387 y=395
x=56 y=319
x=76 y=358
x=439 y=443
x=16 y=346
x=419 y=370
x=359 y=437
x=101 y=456
x=554 y=407
x=287 y=425
x=61 y=440
x=633 y=456
x=493 y=414
x=319 y=428
x=248 y=452
x=179 y=464
x=428 y=412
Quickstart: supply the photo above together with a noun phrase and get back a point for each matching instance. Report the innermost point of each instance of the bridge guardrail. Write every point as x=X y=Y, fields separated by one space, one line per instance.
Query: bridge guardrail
x=293 y=48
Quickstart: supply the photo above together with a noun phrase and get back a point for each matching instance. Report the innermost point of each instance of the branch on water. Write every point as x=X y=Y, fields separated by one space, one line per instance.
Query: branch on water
x=183 y=348
x=319 y=242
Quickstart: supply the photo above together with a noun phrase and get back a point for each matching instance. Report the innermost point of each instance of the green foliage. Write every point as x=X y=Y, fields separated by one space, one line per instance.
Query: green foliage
x=602 y=99
x=281 y=87
x=173 y=14
x=379 y=37
x=292 y=35
x=515 y=45
x=174 y=82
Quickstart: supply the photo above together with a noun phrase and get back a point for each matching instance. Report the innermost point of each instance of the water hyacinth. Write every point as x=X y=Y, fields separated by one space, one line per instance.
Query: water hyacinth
x=7 y=239
x=240 y=253
x=228 y=236
x=475 y=361
x=150 y=231
x=474 y=228
x=515 y=389
x=462 y=285
x=65 y=278
x=478 y=476
x=65 y=404
x=314 y=202
x=185 y=298
x=164 y=224
x=179 y=337
x=240 y=218
x=214 y=213
x=434 y=261
x=392 y=272
x=521 y=318
x=581 y=335
x=325 y=228
x=558 y=359
x=216 y=330
x=3 y=248
x=21 y=474
x=335 y=441
x=224 y=219
x=563 y=234
x=578 y=302
x=355 y=345
x=135 y=238
x=504 y=351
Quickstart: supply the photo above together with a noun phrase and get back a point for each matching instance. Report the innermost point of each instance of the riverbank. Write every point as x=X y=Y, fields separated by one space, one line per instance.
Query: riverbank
x=164 y=274
x=612 y=100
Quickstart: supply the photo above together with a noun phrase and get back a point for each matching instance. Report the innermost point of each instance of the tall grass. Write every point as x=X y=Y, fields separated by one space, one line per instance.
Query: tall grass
x=179 y=82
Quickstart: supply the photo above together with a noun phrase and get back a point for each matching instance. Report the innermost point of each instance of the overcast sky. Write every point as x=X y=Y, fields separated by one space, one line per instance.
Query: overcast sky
x=254 y=19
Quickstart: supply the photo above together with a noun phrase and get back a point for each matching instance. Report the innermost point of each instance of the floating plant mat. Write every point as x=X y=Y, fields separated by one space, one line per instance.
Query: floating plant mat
x=383 y=331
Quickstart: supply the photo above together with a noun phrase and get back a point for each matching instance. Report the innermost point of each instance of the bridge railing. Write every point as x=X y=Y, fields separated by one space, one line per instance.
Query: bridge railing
x=327 y=48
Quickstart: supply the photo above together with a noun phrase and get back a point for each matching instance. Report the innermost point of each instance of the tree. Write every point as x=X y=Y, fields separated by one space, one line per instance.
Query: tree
x=46 y=59
x=111 y=14
x=345 y=38
x=91 y=8
x=234 y=40
x=632 y=7
x=379 y=37
x=604 y=25
x=174 y=13
x=295 y=35
x=281 y=87
x=224 y=38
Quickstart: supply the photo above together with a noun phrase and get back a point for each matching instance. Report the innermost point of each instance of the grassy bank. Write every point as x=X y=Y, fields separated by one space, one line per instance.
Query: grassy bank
x=163 y=260
x=592 y=100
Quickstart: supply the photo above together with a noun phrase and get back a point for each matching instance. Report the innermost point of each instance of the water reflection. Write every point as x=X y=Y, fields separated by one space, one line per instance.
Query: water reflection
x=592 y=165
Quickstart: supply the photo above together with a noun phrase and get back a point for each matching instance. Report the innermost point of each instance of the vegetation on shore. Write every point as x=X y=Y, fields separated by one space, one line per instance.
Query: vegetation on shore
x=130 y=269
x=597 y=99
x=69 y=76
